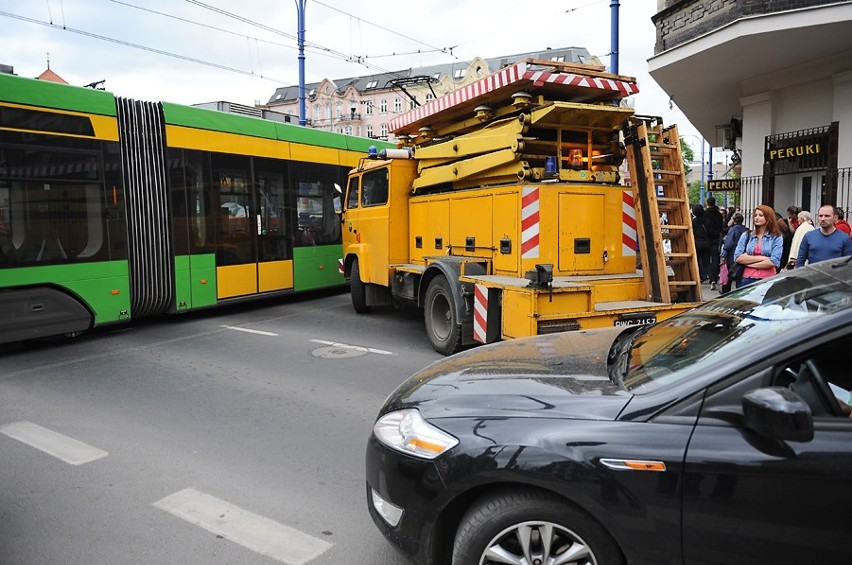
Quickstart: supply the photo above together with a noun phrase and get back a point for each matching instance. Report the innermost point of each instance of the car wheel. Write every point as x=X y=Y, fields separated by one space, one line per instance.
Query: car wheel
x=358 y=289
x=531 y=527
x=439 y=311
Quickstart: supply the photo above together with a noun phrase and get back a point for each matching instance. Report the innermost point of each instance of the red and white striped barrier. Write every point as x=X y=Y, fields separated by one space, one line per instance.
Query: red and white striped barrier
x=629 y=235
x=530 y=226
x=480 y=312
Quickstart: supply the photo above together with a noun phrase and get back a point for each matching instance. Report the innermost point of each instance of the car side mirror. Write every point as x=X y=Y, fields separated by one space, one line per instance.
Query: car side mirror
x=778 y=413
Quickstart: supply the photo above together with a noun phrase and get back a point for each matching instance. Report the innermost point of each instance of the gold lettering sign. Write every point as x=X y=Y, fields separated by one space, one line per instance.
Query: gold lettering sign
x=724 y=185
x=784 y=153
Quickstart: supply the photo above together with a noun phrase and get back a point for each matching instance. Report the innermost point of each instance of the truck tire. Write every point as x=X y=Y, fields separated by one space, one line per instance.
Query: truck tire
x=358 y=289
x=439 y=312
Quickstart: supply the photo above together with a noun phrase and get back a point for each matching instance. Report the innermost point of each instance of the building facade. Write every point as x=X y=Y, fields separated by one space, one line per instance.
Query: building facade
x=365 y=105
x=775 y=86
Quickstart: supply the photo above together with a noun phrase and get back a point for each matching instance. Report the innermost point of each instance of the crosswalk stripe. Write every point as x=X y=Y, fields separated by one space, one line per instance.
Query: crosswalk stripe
x=250 y=331
x=60 y=446
x=357 y=347
x=250 y=530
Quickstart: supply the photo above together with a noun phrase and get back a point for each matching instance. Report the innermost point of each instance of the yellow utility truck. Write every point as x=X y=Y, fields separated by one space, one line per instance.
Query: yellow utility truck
x=505 y=214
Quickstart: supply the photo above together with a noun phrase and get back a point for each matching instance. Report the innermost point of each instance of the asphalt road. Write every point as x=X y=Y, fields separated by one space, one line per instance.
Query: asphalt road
x=236 y=436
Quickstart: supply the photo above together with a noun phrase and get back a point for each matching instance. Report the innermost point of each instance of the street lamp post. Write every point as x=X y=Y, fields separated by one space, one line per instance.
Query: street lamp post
x=300 y=17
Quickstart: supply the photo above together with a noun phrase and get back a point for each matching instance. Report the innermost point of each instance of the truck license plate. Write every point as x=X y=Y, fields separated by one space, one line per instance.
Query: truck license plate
x=635 y=321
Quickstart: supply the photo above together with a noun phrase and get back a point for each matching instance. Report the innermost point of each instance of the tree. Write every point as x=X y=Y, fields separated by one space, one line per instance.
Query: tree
x=688 y=156
x=693 y=192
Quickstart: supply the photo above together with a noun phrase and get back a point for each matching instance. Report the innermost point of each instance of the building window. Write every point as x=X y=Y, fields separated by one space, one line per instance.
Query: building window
x=369 y=110
x=429 y=97
x=384 y=130
x=459 y=73
x=340 y=109
x=347 y=130
x=372 y=84
x=412 y=104
x=558 y=58
x=328 y=111
x=383 y=106
x=317 y=114
x=397 y=105
x=369 y=131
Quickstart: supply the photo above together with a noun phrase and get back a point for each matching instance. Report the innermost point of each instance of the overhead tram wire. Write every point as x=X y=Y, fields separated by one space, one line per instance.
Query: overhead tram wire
x=201 y=24
x=138 y=46
x=308 y=44
x=432 y=47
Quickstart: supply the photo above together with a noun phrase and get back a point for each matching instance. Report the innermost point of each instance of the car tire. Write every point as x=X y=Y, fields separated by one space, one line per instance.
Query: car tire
x=439 y=313
x=493 y=525
x=358 y=289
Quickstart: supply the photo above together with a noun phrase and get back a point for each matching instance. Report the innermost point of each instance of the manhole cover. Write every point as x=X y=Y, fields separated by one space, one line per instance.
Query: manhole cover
x=338 y=352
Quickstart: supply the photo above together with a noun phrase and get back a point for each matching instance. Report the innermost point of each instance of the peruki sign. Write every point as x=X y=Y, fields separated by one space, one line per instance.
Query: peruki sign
x=724 y=185
x=806 y=150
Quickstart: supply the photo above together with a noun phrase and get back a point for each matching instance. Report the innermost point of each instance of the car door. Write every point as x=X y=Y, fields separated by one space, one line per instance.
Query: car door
x=752 y=499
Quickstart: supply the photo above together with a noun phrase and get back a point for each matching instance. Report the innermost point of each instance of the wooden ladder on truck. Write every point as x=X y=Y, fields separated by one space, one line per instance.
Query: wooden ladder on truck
x=662 y=211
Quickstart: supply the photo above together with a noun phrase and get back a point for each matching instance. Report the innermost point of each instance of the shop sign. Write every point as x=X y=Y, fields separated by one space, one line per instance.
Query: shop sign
x=724 y=185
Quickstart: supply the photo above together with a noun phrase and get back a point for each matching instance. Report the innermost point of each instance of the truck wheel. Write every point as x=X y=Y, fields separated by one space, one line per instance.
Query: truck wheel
x=439 y=312
x=358 y=289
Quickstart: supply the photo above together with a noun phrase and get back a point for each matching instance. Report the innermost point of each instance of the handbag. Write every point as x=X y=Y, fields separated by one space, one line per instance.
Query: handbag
x=723 y=274
x=736 y=273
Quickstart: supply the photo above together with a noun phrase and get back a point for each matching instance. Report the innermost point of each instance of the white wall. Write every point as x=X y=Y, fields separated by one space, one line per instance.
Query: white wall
x=842 y=113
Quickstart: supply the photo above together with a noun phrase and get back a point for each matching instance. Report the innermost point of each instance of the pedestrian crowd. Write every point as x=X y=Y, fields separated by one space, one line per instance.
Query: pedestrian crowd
x=729 y=253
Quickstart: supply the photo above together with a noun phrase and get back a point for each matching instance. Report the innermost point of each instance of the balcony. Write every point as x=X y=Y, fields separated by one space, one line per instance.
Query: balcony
x=684 y=20
x=710 y=55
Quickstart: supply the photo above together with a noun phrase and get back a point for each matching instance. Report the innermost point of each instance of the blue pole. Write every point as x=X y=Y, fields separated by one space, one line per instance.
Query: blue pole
x=710 y=163
x=613 y=67
x=300 y=12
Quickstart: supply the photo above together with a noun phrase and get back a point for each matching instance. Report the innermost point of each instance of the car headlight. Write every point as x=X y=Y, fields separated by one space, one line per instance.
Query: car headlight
x=408 y=432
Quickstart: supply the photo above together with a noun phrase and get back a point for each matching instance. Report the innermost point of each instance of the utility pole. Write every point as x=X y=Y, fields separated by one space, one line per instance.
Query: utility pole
x=300 y=13
x=613 y=57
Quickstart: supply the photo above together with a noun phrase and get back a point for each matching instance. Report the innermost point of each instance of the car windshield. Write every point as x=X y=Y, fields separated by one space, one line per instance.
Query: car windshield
x=731 y=325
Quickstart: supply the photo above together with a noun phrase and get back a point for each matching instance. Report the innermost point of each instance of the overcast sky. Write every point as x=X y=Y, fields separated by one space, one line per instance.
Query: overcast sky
x=189 y=51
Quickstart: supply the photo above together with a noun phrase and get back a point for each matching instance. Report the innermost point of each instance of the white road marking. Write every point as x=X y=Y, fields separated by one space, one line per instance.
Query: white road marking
x=248 y=331
x=250 y=530
x=358 y=347
x=62 y=447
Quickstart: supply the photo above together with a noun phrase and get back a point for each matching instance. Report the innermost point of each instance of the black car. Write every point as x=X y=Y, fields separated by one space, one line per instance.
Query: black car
x=718 y=436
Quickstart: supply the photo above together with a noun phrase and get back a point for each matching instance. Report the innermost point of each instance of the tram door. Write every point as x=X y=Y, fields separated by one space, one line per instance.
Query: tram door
x=253 y=253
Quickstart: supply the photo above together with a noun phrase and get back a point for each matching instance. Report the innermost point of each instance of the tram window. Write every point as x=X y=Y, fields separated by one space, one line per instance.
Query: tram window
x=316 y=185
x=275 y=241
x=53 y=205
x=190 y=202
x=233 y=201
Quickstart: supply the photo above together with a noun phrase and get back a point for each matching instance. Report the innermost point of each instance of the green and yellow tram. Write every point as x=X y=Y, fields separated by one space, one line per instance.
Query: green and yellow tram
x=112 y=208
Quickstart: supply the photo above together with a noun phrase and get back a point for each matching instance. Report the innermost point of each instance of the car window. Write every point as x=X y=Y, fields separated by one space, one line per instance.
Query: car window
x=732 y=325
x=822 y=378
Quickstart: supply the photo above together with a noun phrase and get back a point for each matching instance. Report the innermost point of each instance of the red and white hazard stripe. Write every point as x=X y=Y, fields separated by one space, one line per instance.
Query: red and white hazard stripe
x=629 y=240
x=530 y=225
x=516 y=76
x=480 y=312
